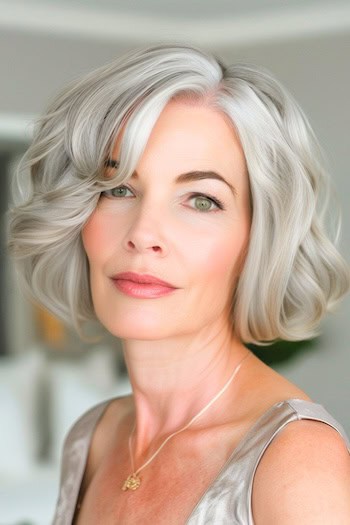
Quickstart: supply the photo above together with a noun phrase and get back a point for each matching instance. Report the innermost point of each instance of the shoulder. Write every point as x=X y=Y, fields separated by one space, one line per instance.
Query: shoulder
x=78 y=454
x=89 y=434
x=86 y=422
x=95 y=417
x=105 y=432
x=303 y=477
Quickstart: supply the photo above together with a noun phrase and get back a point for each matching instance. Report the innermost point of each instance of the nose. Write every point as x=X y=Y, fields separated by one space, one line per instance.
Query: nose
x=146 y=233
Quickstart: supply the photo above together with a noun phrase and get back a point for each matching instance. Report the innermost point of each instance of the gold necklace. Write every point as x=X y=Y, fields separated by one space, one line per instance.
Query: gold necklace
x=133 y=481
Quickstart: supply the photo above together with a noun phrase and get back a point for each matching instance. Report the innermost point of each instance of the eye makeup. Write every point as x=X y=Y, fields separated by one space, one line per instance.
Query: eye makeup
x=184 y=177
x=194 y=195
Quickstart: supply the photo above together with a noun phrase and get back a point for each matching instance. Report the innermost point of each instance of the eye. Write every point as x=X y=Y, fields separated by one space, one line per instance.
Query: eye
x=204 y=203
x=117 y=192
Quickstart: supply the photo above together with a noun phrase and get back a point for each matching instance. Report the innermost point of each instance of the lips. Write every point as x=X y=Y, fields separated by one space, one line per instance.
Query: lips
x=142 y=286
x=141 y=279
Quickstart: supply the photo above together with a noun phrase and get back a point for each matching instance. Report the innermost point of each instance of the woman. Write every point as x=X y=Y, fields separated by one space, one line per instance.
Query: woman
x=178 y=201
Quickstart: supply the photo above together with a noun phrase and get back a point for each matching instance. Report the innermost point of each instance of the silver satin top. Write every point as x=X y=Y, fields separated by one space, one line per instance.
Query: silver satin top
x=228 y=498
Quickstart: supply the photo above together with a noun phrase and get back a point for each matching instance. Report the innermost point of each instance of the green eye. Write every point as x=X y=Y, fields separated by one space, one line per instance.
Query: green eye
x=203 y=203
x=118 y=191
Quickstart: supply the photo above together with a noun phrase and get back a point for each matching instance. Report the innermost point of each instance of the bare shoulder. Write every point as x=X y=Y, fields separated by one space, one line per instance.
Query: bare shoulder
x=265 y=387
x=109 y=424
x=105 y=434
x=303 y=477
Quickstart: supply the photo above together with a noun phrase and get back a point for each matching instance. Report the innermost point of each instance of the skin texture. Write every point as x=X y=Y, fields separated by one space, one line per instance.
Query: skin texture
x=303 y=477
x=180 y=349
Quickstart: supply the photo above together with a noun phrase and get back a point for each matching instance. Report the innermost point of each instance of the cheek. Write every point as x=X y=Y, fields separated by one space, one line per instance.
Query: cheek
x=222 y=259
x=97 y=238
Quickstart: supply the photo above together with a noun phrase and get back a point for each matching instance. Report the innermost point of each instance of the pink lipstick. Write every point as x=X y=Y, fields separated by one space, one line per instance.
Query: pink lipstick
x=142 y=286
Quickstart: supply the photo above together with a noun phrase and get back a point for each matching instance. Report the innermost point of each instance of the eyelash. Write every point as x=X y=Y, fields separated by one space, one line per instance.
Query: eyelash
x=214 y=200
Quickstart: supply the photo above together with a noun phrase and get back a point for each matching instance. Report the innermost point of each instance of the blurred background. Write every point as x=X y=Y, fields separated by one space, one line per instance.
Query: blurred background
x=48 y=377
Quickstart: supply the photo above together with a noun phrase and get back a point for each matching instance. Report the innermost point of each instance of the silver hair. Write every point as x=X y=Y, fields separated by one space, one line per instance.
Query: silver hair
x=292 y=274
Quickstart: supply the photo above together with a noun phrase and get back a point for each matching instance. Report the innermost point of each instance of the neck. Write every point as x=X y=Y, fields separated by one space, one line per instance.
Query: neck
x=172 y=380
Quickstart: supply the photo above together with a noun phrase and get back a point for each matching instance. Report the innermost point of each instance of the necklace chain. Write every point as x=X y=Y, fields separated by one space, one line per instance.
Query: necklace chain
x=133 y=481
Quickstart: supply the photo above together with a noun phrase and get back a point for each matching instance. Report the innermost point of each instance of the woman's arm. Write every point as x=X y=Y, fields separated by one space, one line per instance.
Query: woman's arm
x=303 y=478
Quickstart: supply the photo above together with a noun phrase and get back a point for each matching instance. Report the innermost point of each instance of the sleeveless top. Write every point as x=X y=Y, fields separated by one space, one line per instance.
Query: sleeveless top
x=228 y=498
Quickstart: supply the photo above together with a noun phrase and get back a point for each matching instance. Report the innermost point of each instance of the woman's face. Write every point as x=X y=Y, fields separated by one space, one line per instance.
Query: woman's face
x=191 y=233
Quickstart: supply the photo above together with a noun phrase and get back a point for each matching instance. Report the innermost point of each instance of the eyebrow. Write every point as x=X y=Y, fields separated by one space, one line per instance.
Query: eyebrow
x=184 y=177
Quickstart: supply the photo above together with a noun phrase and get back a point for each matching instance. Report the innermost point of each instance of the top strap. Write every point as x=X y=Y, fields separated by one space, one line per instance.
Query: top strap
x=74 y=456
x=310 y=410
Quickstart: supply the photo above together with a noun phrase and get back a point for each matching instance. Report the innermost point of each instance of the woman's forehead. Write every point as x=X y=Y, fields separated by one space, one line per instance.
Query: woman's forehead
x=186 y=133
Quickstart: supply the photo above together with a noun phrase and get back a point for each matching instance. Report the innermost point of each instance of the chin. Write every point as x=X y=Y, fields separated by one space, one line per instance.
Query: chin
x=145 y=334
x=140 y=327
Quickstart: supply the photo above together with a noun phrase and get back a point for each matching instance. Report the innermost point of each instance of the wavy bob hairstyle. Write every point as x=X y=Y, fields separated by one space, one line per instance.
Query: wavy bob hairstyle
x=292 y=274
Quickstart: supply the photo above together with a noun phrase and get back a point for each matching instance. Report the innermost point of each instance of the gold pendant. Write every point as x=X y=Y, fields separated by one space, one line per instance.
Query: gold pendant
x=132 y=482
